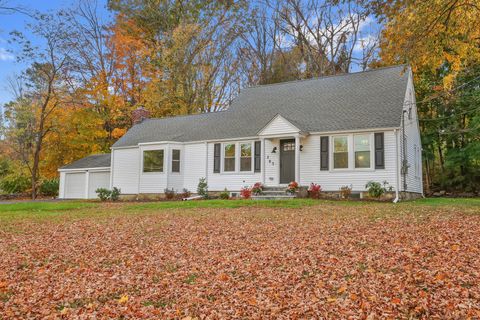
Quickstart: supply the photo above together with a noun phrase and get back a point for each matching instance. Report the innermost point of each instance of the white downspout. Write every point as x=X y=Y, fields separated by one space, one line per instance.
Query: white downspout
x=262 y=159
x=397 y=197
x=206 y=161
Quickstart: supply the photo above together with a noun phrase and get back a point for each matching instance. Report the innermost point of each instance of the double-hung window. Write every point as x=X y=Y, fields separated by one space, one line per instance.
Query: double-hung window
x=153 y=161
x=362 y=150
x=175 y=160
x=229 y=157
x=245 y=157
x=340 y=152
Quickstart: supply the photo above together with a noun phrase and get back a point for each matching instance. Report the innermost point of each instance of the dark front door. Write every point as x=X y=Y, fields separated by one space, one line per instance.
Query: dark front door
x=287 y=161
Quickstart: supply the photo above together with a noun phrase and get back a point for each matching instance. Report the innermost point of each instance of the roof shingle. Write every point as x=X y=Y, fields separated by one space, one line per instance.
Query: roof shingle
x=93 y=161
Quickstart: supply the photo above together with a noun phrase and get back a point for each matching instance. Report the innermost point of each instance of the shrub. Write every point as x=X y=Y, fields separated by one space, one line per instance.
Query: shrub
x=246 y=192
x=115 y=194
x=292 y=187
x=345 y=192
x=257 y=188
x=15 y=183
x=49 y=187
x=103 y=193
x=169 y=193
x=202 y=188
x=314 y=190
x=375 y=189
x=224 y=194
x=185 y=193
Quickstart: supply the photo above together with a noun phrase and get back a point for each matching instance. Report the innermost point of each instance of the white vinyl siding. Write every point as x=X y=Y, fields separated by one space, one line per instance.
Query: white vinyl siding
x=278 y=125
x=332 y=180
x=272 y=162
x=126 y=170
x=412 y=137
x=194 y=165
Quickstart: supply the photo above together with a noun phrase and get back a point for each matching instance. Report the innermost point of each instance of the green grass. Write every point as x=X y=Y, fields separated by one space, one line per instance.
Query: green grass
x=463 y=202
x=228 y=204
x=44 y=206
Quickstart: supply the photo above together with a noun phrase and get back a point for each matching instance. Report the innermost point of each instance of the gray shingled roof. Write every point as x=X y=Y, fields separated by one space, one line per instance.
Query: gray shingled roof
x=93 y=161
x=364 y=100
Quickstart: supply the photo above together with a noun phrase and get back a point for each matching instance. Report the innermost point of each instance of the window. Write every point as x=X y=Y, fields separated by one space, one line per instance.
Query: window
x=362 y=151
x=246 y=157
x=153 y=161
x=175 y=160
x=340 y=152
x=229 y=157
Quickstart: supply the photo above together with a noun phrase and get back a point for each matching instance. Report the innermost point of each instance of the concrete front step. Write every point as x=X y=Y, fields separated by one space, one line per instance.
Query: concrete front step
x=273 y=197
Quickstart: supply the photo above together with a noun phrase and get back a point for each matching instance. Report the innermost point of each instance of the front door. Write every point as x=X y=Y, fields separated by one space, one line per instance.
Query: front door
x=287 y=161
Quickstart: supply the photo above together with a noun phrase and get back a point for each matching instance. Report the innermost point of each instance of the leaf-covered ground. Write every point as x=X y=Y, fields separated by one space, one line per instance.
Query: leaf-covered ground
x=326 y=260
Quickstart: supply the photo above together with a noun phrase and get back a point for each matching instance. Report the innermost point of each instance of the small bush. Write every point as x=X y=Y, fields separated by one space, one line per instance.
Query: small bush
x=292 y=187
x=49 y=188
x=103 y=193
x=345 y=192
x=202 y=188
x=115 y=194
x=375 y=189
x=185 y=193
x=169 y=193
x=257 y=188
x=225 y=195
x=314 y=190
x=14 y=183
x=246 y=192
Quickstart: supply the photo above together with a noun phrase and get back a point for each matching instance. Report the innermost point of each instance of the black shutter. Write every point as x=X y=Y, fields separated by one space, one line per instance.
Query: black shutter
x=216 y=158
x=323 y=153
x=379 y=151
x=257 y=152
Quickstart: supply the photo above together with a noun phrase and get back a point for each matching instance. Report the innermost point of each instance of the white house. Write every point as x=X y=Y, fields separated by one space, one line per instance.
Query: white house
x=335 y=131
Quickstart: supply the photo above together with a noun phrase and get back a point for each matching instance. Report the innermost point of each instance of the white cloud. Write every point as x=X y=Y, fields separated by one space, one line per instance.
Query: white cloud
x=5 y=55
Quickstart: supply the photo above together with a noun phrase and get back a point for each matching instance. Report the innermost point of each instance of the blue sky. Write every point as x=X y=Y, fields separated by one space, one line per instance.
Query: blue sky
x=18 y=21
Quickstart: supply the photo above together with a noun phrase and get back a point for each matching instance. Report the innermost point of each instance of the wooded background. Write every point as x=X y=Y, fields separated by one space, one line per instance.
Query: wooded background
x=181 y=57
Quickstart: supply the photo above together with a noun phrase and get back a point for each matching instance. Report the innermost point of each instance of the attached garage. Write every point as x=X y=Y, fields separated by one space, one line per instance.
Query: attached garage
x=80 y=179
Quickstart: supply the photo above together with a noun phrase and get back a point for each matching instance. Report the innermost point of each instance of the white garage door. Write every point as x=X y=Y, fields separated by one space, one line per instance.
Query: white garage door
x=97 y=180
x=75 y=185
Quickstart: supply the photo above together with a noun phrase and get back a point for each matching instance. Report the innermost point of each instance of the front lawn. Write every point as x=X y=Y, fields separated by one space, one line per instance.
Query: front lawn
x=241 y=259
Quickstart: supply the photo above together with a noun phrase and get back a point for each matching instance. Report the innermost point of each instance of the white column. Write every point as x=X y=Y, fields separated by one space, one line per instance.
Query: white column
x=87 y=183
x=262 y=159
x=297 y=159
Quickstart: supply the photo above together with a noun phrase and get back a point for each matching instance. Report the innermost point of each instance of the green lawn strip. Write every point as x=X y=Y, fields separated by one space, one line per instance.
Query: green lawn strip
x=41 y=210
x=291 y=203
x=446 y=202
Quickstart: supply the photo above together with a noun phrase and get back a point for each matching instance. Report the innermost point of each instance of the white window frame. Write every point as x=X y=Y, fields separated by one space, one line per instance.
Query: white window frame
x=237 y=157
x=179 y=161
x=143 y=161
x=235 y=170
x=351 y=152
x=372 y=151
x=332 y=148
x=252 y=153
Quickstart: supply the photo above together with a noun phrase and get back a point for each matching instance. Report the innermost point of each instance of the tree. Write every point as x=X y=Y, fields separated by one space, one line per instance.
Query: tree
x=46 y=84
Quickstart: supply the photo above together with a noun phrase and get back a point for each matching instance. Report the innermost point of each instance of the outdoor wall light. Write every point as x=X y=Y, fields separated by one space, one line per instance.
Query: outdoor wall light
x=274 y=150
x=301 y=147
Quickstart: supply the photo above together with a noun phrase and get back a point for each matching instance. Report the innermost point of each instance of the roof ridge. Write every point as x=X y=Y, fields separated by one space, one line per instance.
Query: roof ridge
x=326 y=77
x=186 y=115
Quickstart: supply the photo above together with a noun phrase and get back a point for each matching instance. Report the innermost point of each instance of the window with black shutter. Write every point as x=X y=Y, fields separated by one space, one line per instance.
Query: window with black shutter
x=323 y=153
x=379 y=151
x=216 y=157
x=258 y=152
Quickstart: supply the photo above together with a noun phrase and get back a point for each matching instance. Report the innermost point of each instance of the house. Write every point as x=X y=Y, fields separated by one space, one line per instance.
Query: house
x=336 y=131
